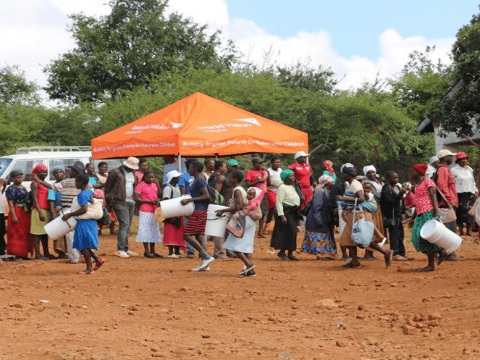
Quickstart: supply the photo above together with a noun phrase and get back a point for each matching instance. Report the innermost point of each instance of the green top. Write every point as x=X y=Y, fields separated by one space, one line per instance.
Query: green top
x=334 y=176
x=286 y=196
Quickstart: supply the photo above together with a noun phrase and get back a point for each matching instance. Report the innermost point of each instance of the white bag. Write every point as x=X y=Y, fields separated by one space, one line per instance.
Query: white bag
x=94 y=211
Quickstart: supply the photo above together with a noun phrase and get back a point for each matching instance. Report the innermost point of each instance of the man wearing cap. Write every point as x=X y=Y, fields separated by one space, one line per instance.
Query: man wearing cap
x=302 y=172
x=432 y=166
x=119 y=190
x=257 y=177
x=446 y=185
x=68 y=192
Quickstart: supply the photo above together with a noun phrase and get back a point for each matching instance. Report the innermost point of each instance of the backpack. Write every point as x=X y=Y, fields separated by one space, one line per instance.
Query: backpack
x=215 y=197
x=362 y=231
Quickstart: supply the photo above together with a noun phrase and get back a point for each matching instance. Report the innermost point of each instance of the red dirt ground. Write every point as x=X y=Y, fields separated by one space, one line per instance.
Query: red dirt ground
x=142 y=308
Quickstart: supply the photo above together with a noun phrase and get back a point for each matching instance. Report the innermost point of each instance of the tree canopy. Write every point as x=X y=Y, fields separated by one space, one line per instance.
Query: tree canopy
x=458 y=112
x=127 y=48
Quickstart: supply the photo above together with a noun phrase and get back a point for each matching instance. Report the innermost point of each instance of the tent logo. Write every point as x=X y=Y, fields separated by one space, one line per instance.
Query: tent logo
x=250 y=120
x=176 y=125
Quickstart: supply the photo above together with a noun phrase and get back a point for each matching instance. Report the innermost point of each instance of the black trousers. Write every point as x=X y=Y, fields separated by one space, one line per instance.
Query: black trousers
x=397 y=235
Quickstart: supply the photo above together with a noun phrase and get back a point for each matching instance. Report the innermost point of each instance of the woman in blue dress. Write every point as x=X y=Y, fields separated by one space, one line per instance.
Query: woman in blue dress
x=86 y=234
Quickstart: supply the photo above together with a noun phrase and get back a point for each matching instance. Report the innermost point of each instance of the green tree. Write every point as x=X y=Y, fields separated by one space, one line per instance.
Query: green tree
x=14 y=87
x=421 y=84
x=458 y=112
x=127 y=48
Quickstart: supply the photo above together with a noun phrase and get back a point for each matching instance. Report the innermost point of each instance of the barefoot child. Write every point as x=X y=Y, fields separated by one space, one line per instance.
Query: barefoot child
x=86 y=235
x=147 y=194
x=173 y=227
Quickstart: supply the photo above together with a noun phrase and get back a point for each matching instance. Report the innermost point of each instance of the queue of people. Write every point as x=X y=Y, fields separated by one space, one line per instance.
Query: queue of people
x=328 y=208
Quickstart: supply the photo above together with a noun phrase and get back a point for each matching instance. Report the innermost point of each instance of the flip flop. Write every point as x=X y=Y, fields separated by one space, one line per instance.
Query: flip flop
x=84 y=272
x=99 y=264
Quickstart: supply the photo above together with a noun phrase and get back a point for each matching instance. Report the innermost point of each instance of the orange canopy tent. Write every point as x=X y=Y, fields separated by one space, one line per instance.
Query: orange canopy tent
x=199 y=125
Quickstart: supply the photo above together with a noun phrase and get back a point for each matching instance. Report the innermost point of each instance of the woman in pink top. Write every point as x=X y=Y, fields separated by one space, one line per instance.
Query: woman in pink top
x=426 y=208
x=147 y=195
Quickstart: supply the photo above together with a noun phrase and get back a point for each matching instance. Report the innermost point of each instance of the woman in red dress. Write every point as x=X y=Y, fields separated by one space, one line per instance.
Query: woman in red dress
x=19 y=239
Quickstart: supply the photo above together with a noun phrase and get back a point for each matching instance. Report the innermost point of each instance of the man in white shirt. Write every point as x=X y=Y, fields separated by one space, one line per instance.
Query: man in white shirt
x=273 y=182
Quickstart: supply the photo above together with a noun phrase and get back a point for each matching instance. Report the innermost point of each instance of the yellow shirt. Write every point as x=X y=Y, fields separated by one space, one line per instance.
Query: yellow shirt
x=286 y=196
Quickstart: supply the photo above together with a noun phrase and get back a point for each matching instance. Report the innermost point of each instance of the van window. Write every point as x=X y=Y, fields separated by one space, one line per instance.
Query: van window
x=26 y=166
x=59 y=163
x=4 y=162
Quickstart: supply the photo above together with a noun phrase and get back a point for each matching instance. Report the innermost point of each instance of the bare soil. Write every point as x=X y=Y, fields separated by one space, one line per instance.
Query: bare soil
x=141 y=308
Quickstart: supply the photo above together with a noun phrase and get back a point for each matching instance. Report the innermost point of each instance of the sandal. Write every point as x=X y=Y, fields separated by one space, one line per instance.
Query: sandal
x=85 y=272
x=99 y=264
x=351 y=265
x=283 y=257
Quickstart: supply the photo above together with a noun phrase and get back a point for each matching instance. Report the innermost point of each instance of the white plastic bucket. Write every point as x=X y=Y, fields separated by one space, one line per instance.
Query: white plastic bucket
x=341 y=222
x=435 y=232
x=216 y=226
x=172 y=207
x=59 y=228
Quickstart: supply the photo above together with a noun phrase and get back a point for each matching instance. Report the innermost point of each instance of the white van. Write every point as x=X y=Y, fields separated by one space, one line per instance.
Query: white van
x=26 y=159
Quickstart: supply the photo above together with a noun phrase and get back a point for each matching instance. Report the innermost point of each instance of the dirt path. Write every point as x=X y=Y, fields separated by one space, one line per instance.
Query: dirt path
x=142 y=308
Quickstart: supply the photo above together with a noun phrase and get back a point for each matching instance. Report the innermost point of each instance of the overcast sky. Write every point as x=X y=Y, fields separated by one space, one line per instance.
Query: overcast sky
x=356 y=39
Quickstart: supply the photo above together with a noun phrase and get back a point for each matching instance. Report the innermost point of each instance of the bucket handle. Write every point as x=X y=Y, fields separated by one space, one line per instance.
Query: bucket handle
x=218 y=218
x=70 y=226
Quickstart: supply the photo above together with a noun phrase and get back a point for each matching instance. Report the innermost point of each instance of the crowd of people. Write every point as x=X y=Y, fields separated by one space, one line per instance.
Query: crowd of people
x=328 y=208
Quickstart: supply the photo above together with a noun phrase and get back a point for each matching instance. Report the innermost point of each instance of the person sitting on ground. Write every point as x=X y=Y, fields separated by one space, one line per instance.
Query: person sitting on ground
x=426 y=208
x=287 y=219
x=318 y=234
x=86 y=235
x=194 y=232
x=147 y=194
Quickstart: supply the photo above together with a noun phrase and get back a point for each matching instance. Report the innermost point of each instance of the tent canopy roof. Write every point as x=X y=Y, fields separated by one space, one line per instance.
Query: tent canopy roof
x=199 y=125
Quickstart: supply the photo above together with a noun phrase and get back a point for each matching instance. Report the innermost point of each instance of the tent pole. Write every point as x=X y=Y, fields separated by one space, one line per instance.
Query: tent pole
x=179 y=163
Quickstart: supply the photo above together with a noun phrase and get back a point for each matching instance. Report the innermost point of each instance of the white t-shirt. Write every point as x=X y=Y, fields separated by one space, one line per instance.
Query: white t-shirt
x=464 y=179
x=171 y=192
x=275 y=179
x=2 y=205
x=129 y=184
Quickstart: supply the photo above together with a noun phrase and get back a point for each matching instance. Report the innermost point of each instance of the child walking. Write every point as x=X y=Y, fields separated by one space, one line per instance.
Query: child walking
x=195 y=231
x=173 y=227
x=86 y=236
x=147 y=194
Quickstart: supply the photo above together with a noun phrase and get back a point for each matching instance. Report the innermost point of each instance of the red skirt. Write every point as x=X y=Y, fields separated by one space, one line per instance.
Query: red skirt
x=173 y=236
x=272 y=199
x=20 y=241
x=196 y=223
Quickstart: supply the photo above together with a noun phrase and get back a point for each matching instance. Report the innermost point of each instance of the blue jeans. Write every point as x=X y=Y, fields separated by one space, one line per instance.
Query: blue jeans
x=124 y=214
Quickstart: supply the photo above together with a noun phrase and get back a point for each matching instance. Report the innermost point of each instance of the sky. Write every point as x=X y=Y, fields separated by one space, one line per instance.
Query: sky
x=357 y=40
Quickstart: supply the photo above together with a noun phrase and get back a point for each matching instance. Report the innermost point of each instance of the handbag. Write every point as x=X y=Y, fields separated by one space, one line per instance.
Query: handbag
x=362 y=230
x=236 y=225
x=447 y=215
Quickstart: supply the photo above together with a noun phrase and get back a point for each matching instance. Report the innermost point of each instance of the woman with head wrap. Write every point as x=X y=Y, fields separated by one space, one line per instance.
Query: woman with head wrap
x=347 y=202
x=371 y=174
x=328 y=166
x=284 y=237
x=318 y=234
x=40 y=213
x=426 y=208
x=20 y=242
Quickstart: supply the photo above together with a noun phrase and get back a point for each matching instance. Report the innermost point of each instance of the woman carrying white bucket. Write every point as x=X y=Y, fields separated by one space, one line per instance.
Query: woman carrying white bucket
x=426 y=208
